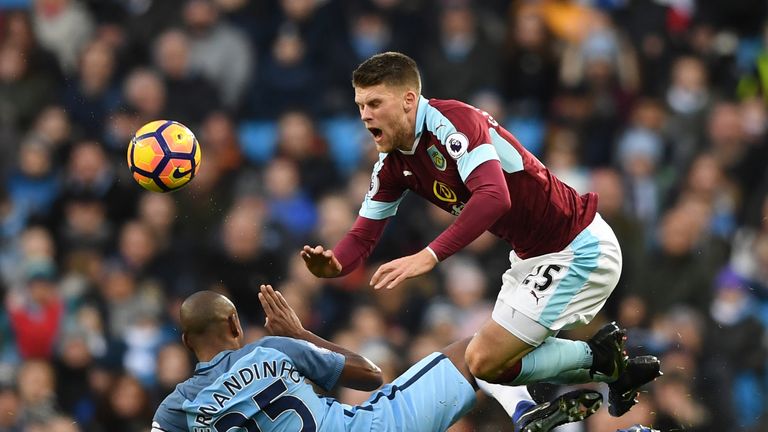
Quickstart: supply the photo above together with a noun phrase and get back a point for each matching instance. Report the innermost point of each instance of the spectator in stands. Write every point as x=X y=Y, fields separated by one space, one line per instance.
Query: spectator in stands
x=676 y=273
x=286 y=77
x=37 y=391
x=734 y=325
x=190 y=97
x=241 y=258
x=54 y=126
x=85 y=225
x=219 y=51
x=89 y=172
x=289 y=206
x=460 y=42
x=530 y=66
x=173 y=366
x=19 y=31
x=125 y=409
x=93 y=94
x=71 y=367
x=63 y=27
x=688 y=98
x=10 y=408
x=23 y=91
x=36 y=310
x=145 y=92
x=299 y=141
x=639 y=156
x=34 y=186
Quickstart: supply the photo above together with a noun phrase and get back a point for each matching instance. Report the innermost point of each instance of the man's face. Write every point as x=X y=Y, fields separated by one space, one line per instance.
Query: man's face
x=384 y=111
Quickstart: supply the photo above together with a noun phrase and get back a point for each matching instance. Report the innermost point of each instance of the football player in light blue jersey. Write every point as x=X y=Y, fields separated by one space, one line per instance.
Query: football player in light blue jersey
x=262 y=386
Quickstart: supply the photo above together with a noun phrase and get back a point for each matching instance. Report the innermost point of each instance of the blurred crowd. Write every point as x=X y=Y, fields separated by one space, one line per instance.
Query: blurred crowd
x=659 y=106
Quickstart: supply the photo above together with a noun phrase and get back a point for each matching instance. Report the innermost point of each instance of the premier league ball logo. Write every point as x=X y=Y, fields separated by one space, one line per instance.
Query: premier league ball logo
x=457 y=144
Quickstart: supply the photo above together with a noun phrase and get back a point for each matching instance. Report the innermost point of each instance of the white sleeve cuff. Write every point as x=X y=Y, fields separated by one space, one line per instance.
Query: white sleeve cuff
x=433 y=253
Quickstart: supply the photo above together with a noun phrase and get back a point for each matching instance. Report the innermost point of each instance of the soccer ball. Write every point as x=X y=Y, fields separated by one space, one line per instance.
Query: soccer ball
x=163 y=156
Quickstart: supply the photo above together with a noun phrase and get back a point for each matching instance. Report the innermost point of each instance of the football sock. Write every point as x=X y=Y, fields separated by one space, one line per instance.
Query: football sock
x=553 y=357
x=508 y=396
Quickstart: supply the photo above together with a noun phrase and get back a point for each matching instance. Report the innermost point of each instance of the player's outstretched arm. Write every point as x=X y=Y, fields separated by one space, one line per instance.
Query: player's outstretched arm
x=320 y=261
x=359 y=373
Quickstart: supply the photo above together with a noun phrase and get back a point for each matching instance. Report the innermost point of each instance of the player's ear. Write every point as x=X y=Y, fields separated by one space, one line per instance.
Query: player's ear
x=186 y=342
x=410 y=100
x=234 y=326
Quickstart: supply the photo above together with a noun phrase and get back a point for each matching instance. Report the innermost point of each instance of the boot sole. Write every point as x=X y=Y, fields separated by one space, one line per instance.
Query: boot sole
x=570 y=407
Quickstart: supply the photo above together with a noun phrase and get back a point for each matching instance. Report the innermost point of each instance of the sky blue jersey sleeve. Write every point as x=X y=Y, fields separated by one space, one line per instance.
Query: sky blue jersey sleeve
x=167 y=419
x=320 y=365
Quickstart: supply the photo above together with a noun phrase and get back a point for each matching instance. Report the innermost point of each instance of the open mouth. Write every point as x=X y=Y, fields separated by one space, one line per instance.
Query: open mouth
x=376 y=132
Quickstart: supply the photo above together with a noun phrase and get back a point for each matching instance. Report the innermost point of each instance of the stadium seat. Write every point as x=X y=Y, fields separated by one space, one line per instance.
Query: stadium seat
x=345 y=136
x=529 y=131
x=258 y=140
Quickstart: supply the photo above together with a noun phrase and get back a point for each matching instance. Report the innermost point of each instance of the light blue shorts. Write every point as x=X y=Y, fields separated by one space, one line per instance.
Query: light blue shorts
x=430 y=396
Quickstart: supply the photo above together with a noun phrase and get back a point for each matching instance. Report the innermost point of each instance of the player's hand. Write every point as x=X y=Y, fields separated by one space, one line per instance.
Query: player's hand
x=321 y=262
x=281 y=319
x=390 y=275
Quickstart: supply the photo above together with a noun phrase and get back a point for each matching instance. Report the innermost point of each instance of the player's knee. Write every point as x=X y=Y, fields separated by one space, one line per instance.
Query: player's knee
x=481 y=363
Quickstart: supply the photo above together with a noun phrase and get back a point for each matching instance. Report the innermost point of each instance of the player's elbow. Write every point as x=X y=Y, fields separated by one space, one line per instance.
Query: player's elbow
x=505 y=202
x=373 y=380
x=498 y=197
x=364 y=375
x=368 y=382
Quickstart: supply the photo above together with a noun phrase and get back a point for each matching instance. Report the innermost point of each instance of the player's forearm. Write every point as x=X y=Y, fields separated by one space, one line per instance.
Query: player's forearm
x=490 y=200
x=359 y=373
x=358 y=244
x=474 y=220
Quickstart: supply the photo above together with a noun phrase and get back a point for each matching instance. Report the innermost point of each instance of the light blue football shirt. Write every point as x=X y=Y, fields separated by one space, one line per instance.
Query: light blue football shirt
x=260 y=387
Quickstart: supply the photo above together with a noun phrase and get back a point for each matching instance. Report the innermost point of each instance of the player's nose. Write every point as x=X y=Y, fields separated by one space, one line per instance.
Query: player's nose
x=365 y=113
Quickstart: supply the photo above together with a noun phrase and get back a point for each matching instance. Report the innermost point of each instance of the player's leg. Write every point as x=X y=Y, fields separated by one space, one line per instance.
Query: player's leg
x=541 y=296
x=553 y=360
x=525 y=413
x=455 y=353
x=549 y=293
x=430 y=396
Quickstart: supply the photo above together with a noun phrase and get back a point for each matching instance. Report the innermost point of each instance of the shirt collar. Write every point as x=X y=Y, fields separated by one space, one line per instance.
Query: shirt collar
x=203 y=366
x=421 y=116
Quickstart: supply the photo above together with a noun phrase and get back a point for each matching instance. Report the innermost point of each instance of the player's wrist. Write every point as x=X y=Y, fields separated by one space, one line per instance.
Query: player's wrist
x=432 y=252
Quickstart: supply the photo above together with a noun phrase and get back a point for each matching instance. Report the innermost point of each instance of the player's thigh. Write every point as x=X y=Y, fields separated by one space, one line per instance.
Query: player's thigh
x=430 y=396
x=562 y=289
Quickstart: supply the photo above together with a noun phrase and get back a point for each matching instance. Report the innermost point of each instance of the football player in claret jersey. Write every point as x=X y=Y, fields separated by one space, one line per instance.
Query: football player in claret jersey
x=261 y=386
x=565 y=259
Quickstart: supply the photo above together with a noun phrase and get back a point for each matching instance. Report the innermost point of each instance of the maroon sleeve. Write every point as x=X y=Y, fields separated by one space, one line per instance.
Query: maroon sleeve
x=490 y=200
x=358 y=243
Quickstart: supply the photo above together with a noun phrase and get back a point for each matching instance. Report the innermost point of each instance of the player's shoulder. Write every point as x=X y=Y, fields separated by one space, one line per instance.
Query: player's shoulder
x=269 y=342
x=446 y=105
x=287 y=345
x=454 y=116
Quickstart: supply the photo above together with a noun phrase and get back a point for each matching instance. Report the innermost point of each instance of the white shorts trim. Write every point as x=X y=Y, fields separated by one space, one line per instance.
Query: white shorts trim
x=560 y=290
x=525 y=328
